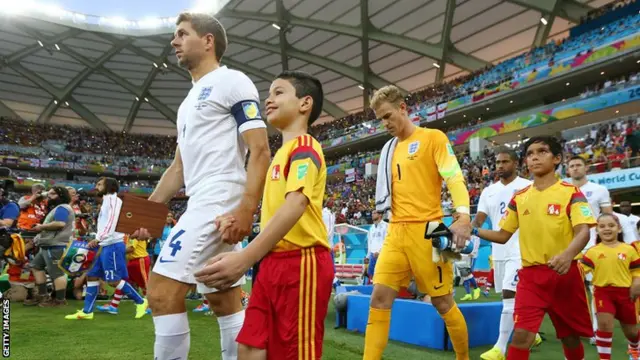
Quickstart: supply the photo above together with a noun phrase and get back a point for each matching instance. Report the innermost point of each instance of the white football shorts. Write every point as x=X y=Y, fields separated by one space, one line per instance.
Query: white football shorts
x=194 y=240
x=505 y=274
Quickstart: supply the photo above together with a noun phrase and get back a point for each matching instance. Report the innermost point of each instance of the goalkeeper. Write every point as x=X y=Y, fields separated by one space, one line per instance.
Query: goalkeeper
x=412 y=166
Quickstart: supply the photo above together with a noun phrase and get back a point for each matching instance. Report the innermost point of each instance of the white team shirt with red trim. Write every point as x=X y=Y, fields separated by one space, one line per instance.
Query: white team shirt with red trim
x=212 y=149
x=107 y=220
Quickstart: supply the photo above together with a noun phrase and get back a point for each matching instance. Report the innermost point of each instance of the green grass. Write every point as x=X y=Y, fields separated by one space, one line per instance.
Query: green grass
x=38 y=333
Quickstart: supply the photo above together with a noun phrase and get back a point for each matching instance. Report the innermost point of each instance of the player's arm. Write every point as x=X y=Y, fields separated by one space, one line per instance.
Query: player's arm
x=508 y=225
x=131 y=245
x=26 y=201
x=634 y=267
x=107 y=226
x=450 y=171
x=259 y=159
x=605 y=203
x=11 y=213
x=171 y=181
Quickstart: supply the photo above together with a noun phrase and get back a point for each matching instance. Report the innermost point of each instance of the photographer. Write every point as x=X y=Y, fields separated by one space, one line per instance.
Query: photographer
x=81 y=225
x=32 y=208
x=9 y=210
x=54 y=235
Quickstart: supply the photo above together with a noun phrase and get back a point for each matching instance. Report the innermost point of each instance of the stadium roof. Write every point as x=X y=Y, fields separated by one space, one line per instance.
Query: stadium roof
x=57 y=66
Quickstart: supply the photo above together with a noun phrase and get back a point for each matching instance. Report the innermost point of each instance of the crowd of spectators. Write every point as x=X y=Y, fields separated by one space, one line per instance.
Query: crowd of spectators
x=604 y=9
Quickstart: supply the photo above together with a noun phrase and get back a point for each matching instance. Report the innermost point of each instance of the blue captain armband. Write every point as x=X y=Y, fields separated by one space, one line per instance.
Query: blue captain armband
x=246 y=110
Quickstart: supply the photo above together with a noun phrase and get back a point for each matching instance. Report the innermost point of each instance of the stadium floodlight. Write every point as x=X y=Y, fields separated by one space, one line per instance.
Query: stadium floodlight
x=66 y=103
x=436 y=65
x=165 y=65
x=361 y=87
x=146 y=100
x=55 y=102
x=57 y=47
x=137 y=98
x=40 y=43
x=150 y=23
x=155 y=65
x=276 y=26
x=543 y=21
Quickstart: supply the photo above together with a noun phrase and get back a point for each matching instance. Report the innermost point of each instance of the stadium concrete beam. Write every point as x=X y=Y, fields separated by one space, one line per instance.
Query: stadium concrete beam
x=328 y=106
x=566 y=9
x=146 y=85
x=446 y=38
x=54 y=104
x=137 y=91
x=74 y=105
x=5 y=110
x=29 y=50
x=433 y=51
x=365 y=23
x=282 y=33
x=342 y=69
x=542 y=32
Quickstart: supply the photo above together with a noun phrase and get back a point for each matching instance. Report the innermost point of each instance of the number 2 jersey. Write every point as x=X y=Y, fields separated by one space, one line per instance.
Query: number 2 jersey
x=420 y=163
x=297 y=166
x=493 y=202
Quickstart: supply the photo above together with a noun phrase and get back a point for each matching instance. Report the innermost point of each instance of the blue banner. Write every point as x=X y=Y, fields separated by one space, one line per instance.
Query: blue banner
x=619 y=179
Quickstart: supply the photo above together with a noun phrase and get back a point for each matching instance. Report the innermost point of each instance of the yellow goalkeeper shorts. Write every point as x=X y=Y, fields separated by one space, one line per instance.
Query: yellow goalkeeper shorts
x=406 y=252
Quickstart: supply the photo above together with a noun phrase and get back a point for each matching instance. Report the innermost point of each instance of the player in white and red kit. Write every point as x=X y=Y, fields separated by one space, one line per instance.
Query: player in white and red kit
x=218 y=122
x=506 y=258
x=600 y=203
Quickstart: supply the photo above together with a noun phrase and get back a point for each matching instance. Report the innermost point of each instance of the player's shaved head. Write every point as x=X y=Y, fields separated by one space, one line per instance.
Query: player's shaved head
x=306 y=85
x=508 y=151
x=205 y=24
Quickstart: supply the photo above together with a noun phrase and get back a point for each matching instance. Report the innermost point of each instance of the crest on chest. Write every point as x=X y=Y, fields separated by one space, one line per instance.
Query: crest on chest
x=412 y=150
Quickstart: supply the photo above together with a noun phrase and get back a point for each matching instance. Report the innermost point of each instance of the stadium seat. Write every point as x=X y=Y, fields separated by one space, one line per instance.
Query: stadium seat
x=350 y=273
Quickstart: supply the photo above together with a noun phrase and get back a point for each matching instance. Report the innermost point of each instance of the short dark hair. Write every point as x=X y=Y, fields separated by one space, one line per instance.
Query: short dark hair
x=63 y=193
x=505 y=150
x=576 y=157
x=551 y=141
x=205 y=24
x=306 y=85
x=111 y=185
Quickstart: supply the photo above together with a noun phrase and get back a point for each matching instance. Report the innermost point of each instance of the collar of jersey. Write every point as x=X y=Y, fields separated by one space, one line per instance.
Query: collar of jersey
x=209 y=73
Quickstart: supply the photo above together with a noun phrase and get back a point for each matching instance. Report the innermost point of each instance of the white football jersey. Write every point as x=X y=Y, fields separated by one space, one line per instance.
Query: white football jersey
x=329 y=220
x=493 y=202
x=629 y=229
x=376 y=236
x=218 y=109
x=598 y=197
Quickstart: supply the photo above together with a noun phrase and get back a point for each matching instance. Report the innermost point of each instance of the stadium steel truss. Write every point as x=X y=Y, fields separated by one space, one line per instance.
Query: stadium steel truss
x=118 y=79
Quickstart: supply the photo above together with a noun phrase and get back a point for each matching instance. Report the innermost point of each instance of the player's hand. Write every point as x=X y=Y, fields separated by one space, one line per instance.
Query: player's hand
x=234 y=226
x=561 y=263
x=93 y=244
x=461 y=229
x=37 y=228
x=142 y=234
x=223 y=270
x=634 y=292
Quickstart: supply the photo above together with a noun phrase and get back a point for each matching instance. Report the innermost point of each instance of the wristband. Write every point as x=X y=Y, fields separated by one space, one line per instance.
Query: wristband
x=474 y=231
x=463 y=210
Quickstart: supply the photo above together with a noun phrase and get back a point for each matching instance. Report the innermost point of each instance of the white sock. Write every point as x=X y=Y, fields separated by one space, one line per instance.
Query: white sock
x=230 y=326
x=172 y=337
x=506 y=324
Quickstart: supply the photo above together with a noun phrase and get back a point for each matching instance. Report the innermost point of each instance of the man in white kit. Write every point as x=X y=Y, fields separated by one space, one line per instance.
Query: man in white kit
x=506 y=258
x=217 y=123
x=375 y=239
x=600 y=202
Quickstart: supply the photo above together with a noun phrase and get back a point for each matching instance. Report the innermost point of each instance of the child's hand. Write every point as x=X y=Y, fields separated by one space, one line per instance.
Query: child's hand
x=634 y=291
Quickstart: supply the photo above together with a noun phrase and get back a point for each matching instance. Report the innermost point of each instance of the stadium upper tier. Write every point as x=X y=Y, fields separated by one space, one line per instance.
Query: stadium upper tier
x=68 y=72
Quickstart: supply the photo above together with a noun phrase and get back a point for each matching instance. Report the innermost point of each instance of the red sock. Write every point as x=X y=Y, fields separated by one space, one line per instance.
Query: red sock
x=576 y=353
x=634 y=342
x=115 y=300
x=206 y=302
x=517 y=354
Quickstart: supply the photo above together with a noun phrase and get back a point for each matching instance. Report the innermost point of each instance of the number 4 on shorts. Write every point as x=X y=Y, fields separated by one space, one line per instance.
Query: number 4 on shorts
x=174 y=244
